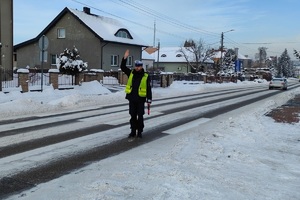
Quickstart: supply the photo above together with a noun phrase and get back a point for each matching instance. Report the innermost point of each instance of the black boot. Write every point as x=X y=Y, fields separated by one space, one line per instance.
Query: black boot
x=139 y=135
x=131 y=135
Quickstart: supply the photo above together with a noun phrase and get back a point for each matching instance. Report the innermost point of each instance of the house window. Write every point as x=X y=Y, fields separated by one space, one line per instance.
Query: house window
x=114 y=60
x=53 y=59
x=15 y=56
x=129 y=61
x=163 y=55
x=123 y=34
x=61 y=33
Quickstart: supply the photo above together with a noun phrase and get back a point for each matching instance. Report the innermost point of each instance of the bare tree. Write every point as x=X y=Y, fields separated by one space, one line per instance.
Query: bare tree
x=196 y=54
x=261 y=57
x=297 y=54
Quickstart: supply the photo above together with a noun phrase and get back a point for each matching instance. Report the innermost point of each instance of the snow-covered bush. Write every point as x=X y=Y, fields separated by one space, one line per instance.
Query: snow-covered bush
x=69 y=62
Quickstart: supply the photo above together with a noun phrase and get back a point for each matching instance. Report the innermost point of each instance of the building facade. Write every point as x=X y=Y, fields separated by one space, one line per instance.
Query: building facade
x=101 y=41
x=6 y=35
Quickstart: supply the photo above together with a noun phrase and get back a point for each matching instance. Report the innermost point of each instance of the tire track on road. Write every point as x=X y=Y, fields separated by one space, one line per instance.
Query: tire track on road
x=30 y=178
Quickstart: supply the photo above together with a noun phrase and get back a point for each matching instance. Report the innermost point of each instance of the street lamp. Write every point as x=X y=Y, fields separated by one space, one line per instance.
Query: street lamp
x=222 y=45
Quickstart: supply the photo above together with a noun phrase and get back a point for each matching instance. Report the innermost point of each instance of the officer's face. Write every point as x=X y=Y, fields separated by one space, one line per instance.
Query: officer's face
x=138 y=68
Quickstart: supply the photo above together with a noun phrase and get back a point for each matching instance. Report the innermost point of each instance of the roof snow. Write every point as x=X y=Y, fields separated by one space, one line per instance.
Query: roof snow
x=106 y=28
x=240 y=56
x=171 y=54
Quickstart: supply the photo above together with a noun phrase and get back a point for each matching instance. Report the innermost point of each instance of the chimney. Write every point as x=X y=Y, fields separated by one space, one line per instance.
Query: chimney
x=87 y=10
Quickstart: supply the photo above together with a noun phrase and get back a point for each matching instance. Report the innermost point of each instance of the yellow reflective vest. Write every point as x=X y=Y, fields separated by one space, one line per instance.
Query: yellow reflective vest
x=142 y=87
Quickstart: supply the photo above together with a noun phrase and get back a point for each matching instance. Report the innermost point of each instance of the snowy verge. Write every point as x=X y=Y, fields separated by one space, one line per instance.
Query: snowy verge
x=242 y=154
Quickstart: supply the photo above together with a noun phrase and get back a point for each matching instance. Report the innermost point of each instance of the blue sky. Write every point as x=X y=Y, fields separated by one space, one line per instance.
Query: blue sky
x=256 y=23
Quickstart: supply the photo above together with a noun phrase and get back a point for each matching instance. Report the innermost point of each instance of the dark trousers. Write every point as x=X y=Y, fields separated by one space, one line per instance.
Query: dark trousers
x=136 y=111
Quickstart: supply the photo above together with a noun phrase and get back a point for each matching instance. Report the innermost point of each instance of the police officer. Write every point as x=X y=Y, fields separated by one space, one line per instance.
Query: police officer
x=138 y=91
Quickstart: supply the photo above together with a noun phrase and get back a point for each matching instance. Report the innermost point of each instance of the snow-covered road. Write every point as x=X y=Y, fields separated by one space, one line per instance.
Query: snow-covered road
x=202 y=144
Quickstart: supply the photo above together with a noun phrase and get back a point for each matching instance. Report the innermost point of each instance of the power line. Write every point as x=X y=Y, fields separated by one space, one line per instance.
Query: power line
x=150 y=12
x=165 y=18
x=138 y=7
x=127 y=20
x=256 y=43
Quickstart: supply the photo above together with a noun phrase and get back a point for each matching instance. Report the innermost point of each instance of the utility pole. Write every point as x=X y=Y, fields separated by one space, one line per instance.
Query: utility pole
x=0 y=66
x=222 y=46
x=154 y=34
x=0 y=52
x=158 y=47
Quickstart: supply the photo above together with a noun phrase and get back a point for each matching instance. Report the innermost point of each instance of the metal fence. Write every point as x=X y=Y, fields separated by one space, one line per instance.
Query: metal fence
x=66 y=80
x=111 y=78
x=188 y=77
x=10 y=79
x=36 y=79
x=155 y=79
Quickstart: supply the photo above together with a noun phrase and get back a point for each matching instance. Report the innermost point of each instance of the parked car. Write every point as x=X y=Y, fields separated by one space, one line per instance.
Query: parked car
x=280 y=83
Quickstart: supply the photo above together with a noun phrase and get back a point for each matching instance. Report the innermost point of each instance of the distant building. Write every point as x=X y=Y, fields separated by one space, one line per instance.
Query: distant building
x=170 y=59
x=101 y=41
x=148 y=59
x=297 y=68
x=244 y=60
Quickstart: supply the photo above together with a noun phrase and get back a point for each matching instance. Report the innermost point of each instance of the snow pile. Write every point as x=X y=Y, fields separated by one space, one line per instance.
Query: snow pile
x=242 y=154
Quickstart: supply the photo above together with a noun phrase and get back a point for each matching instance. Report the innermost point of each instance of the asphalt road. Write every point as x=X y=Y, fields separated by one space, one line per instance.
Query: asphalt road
x=166 y=114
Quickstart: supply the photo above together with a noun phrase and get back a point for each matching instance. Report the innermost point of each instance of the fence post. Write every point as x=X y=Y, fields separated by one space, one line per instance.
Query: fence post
x=23 y=78
x=163 y=81
x=170 y=79
x=53 y=78
x=122 y=78
x=100 y=75
x=79 y=78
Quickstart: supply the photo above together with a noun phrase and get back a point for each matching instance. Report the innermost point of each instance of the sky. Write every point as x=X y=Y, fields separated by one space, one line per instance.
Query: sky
x=255 y=23
x=242 y=154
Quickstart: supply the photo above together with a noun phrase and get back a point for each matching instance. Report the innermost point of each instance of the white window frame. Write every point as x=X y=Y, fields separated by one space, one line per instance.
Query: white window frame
x=114 y=60
x=61 y=33
x=129 y=61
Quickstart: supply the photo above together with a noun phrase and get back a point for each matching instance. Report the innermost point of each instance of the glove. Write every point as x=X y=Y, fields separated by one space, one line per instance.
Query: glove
x=149 y=101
